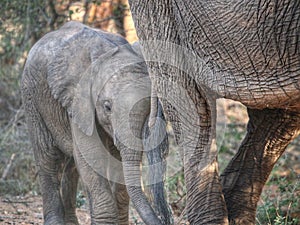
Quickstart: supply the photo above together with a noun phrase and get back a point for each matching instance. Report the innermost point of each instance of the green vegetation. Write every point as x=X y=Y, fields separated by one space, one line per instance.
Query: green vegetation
x=280 y=203
x=22 y=24
x=80 y=199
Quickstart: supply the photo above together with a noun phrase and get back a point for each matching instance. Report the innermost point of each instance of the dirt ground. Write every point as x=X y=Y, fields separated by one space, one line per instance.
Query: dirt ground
x=28 y=210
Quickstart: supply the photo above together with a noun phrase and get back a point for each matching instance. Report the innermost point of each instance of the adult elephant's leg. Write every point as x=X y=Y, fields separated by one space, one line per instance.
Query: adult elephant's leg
x=192 y=115
x=204 y=199
x=69 y=183
x=269 y=132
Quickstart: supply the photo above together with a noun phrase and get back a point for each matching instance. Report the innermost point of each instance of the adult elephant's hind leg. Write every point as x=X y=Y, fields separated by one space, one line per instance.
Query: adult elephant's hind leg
x=269 y=132
x=69 y=183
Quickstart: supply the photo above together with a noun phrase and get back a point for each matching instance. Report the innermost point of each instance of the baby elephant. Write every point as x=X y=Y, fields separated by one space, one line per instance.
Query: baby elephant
x=86 y=94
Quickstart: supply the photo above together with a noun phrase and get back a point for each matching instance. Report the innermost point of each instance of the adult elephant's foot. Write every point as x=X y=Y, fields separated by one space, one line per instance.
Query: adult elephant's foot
x=269 y=132
x=54 y=220
x=72 y=223
x=71 y=220
x=246 y=215
x=206 y=204
x=239 y=221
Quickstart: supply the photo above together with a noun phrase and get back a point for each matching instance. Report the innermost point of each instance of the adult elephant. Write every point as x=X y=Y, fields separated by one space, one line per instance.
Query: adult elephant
x=87 y=97
x=244 y=50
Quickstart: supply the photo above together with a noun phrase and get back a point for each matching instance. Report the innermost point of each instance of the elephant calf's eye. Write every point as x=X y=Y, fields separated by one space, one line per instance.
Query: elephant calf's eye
x=107 y=106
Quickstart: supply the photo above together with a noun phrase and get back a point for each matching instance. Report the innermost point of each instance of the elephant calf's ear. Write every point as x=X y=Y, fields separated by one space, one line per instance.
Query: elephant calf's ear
x=82 y=109
x=89 y=86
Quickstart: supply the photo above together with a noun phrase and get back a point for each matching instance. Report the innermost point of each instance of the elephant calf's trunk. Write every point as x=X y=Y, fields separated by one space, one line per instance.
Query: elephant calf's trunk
x=142 y=206
x=132 y=175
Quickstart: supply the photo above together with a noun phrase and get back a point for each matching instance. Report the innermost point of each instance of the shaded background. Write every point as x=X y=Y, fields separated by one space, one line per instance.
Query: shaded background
x=22 y=23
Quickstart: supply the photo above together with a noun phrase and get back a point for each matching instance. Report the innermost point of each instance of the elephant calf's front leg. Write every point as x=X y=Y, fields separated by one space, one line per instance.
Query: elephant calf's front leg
x=49 y=160
x=122 y=201
x=268 y=134
x=69 y=183
x=102 y=204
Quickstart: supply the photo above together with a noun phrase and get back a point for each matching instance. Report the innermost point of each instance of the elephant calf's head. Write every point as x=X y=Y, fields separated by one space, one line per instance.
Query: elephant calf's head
x=124 y=103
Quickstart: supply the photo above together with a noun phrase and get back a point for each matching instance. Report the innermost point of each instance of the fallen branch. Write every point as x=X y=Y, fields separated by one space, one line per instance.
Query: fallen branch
x=8 y=166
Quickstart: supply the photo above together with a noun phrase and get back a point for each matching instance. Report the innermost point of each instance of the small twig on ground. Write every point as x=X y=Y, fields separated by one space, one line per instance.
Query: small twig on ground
x=11 y=124
x=25 y=202
x=8 y=166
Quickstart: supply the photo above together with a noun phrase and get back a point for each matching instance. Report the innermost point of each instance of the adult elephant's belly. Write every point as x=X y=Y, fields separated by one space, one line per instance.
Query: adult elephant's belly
x=264 y=92
x=251 y=48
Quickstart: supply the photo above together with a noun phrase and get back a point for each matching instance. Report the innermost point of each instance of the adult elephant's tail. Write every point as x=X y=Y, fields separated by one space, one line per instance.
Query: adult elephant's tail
x=156 y=147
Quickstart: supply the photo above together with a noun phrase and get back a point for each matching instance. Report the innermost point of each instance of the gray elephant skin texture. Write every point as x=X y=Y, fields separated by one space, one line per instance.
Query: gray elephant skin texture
x=87 y=97
x=245 y=50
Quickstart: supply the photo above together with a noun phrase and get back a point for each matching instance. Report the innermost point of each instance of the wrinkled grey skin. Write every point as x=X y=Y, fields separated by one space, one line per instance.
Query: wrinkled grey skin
x=79 y=86
x=245 y=50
